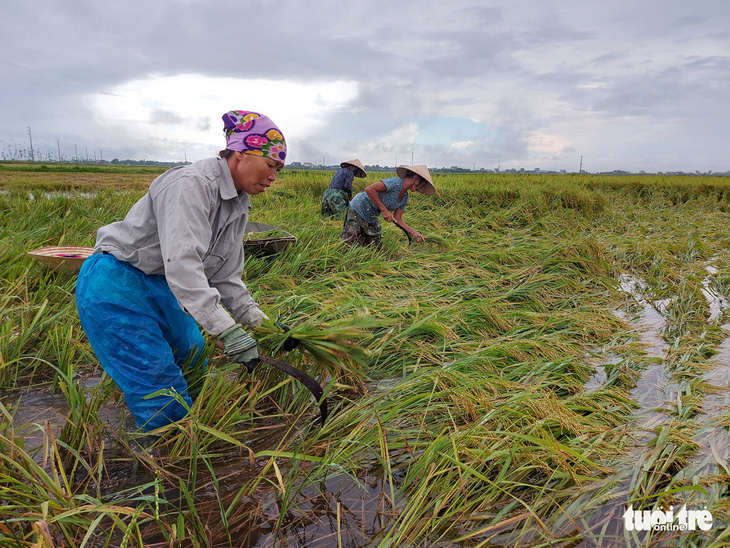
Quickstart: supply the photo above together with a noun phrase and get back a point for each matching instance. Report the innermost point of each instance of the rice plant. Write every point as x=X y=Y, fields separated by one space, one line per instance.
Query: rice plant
x=455 y=369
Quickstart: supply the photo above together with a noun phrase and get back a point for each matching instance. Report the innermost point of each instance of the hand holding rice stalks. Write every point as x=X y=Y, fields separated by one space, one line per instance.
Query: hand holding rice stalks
x=336 y=344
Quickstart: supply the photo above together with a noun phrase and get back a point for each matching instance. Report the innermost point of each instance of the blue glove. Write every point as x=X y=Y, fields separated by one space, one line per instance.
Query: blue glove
x=240 y=347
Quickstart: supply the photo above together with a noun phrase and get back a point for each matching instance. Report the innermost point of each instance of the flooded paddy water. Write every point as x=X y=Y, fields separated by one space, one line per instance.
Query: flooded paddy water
x=342 y=510
x=656 y=395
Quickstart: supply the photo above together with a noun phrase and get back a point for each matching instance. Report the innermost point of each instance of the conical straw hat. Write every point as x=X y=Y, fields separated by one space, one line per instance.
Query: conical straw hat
x=360 y=172
x=402 y=172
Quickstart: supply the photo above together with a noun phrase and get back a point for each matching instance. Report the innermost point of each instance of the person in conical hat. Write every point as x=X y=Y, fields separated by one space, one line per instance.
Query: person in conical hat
x=388 y=198
x=336 y=197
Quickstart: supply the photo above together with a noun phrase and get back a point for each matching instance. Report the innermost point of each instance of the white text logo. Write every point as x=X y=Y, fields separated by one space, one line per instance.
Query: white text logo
x=667 y=520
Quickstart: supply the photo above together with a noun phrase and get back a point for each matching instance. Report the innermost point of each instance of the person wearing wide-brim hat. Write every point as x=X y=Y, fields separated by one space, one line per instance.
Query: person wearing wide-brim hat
x=336 y=197
x=388 y=198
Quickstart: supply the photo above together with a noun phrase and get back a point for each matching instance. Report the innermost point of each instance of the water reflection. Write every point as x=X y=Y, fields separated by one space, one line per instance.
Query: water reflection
x=716 y=301
x=52 y=194
x=713 y=439
x=339 y=510
x=605 y=502
x=655 y=395
x=36 y=409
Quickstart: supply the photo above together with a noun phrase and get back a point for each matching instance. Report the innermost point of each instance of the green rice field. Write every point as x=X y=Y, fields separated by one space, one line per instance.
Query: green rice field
x=550 y=367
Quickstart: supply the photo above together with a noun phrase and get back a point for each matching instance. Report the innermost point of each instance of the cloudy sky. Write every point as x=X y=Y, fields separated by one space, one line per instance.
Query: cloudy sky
x=475 y=83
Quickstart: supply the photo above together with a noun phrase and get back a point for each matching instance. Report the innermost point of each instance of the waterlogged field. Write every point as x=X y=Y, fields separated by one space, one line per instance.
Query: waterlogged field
x=550 y=368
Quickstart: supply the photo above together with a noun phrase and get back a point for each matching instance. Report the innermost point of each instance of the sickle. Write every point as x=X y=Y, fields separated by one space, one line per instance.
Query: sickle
x=305 y=379
x=397 y=223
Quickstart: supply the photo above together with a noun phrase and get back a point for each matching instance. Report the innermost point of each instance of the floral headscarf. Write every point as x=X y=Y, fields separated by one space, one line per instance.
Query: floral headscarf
x=253 y=133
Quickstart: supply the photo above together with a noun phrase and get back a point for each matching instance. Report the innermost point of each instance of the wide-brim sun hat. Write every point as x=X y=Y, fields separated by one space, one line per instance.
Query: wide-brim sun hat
x=360 y=171
x=402 y=172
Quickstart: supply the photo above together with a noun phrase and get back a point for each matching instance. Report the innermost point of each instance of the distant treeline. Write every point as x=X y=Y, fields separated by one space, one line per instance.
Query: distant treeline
x=99 y=167
x=154 y=165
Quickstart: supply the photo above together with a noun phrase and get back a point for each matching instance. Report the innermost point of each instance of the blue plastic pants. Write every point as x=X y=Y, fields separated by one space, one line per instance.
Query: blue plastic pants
x=140 y=335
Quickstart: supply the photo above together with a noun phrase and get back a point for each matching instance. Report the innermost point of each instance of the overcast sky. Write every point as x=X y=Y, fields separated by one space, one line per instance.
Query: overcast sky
x=625 y=84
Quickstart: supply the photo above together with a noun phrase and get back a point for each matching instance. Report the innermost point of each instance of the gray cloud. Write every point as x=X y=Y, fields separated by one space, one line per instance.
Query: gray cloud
x=631 y=85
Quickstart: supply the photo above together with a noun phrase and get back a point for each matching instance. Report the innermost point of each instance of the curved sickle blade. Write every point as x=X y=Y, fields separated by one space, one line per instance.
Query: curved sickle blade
x=399 y=225
x=305 y=379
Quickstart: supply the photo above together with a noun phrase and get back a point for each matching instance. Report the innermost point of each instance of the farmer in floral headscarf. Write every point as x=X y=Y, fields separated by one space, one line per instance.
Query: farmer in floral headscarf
x=174 y=263
x=336 y=197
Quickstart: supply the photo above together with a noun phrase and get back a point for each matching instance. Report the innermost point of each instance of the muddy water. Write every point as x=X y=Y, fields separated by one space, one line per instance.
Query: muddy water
x=598 y=379
x=653 y=389
x=715 y=300
x=40 y=413
x=601 y=521
x=655 y=395
x=357 y=511
x=713 y=439
x=34 y=410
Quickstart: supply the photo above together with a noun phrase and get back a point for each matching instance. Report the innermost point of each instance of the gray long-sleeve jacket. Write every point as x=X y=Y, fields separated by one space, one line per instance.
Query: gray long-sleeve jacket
x=189 y=227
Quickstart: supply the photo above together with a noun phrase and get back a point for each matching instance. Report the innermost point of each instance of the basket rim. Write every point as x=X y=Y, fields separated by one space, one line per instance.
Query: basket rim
x=59 y=250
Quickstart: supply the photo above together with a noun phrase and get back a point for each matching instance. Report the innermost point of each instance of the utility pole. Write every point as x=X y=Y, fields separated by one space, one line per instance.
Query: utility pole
x=411 y=157
x=59 y=149
x=76 y=154
x=30 y=136
x=580 y=169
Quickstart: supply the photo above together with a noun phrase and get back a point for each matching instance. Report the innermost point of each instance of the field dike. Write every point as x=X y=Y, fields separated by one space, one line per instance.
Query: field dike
x=554 y=354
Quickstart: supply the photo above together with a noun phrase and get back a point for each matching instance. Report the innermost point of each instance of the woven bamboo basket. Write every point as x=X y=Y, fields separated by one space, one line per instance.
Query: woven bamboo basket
x=266 y=239
x=62 y=258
